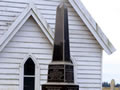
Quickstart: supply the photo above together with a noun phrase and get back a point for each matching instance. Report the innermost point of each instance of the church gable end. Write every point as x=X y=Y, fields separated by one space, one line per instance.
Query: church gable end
x=32 y=33
x=29 y=39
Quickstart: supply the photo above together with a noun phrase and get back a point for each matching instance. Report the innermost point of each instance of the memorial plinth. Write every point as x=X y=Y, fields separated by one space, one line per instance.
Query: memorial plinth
x=61 y=70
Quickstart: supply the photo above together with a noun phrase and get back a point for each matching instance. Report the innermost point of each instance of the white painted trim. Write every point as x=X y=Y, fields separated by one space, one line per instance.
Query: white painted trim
x=14 y=25
x=37 y=72
x=48 y=31
x=101 y=69
x=29 y=11
x=75 y=69
x=42 y=22
x=93 y=27
x=13 y=32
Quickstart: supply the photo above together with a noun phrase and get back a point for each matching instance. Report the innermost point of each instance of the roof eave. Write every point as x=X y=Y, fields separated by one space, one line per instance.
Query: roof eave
x=92 y=25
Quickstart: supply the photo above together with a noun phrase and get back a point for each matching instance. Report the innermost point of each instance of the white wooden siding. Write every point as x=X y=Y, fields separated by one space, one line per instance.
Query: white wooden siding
x=84 y=47
x=30 y=39
x=9 y=11
x=33 y=41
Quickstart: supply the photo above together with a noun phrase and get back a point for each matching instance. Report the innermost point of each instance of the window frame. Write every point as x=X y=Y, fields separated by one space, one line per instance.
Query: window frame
x=37 y=72
x=29 y=73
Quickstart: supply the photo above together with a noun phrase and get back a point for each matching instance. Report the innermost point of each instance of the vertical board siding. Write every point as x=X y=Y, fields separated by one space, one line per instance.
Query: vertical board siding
x=30 y=39
x=9 y=11
x=84 y=47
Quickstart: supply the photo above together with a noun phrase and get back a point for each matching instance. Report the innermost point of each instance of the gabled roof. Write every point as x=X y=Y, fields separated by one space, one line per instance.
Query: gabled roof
x=79 y=8
x=29 y=11
x=93 y=26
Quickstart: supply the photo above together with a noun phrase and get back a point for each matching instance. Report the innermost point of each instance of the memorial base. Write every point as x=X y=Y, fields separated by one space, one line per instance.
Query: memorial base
x=59 y=87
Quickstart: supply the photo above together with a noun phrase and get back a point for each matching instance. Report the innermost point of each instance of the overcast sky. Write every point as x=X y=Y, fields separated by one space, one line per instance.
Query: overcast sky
x=107 y=15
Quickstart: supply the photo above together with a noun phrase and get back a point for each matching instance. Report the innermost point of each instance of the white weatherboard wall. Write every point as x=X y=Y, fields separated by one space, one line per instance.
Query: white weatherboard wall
x=30 y=39
x=9 y=11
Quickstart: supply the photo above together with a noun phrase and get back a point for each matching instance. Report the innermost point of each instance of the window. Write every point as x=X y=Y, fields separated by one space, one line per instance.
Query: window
x=29 y=75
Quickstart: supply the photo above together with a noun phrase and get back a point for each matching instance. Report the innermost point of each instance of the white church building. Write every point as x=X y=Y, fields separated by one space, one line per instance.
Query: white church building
x=27 y=36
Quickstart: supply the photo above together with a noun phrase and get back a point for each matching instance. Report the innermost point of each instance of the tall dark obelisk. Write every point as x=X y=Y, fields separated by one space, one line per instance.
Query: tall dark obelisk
x=61 y=70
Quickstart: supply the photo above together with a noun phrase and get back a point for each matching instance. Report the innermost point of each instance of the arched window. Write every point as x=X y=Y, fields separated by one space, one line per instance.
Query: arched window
x=29 y=75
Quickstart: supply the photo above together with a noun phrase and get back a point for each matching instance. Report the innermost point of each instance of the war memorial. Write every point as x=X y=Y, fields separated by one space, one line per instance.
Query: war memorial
x=61 y=69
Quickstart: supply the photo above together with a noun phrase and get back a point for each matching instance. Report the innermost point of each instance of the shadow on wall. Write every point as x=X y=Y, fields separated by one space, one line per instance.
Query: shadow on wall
x=112 y=86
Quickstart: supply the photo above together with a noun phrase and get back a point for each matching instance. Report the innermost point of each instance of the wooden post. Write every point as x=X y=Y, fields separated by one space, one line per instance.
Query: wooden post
x=118 y=88
x=112 y=85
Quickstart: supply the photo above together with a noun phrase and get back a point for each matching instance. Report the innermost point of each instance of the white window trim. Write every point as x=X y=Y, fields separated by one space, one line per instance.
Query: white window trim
x=75 y=69
x=37 y=72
